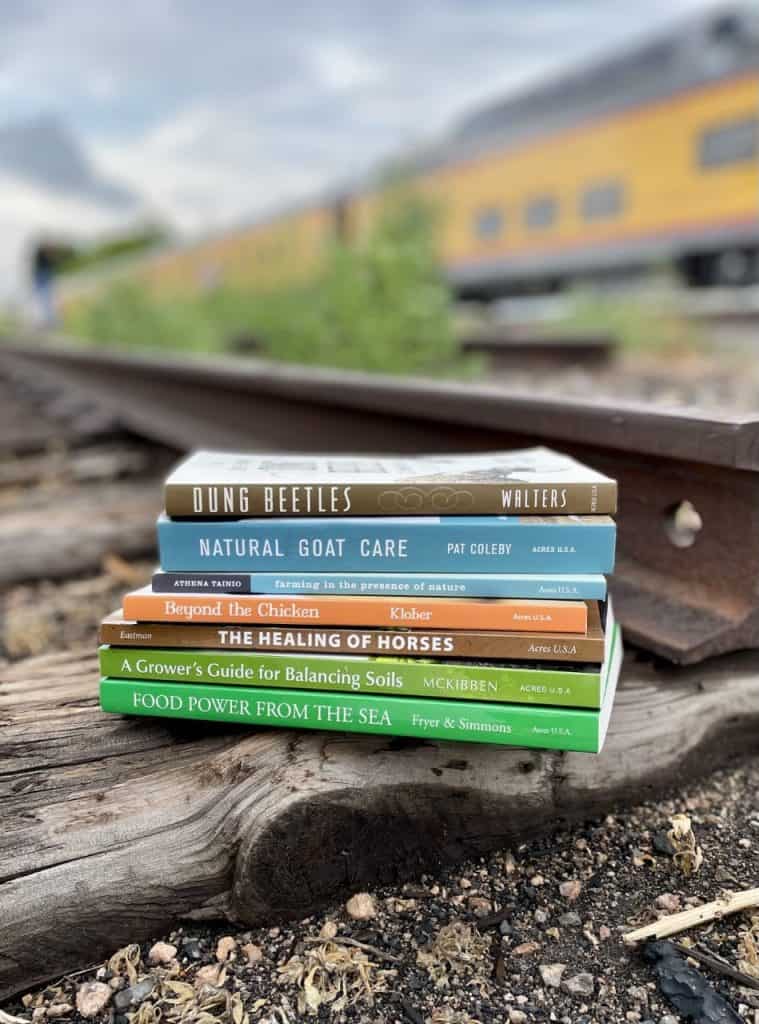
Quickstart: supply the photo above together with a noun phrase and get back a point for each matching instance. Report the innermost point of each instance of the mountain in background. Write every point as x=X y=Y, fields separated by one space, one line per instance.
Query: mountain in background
x=43 y=152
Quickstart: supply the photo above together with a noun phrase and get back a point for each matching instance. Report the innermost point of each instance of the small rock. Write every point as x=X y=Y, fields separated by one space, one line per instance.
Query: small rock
x=162 y=953
x=274 y=933
x=551 y=974
x=191 y=949
x=224 y=947
x=517 y=1017
x=117 y=983
x=506 y=928
x=662 y=843
x=744 y=843
x=328 y=930
x=142 y=989
x=56 y=1010
x=669 y=902
x=361 y=907
x=252 y=952
x=579 y=985
x=604 y=933
x=479 y=905
x=135 y=994
x=570 y=890
x=210 y=974
x=464 y=883
x=668 y=1019
x=537 y=880
x=639 y=994
x=122 y=999
x=525 y=948
x=92 y=998
x=540 y=916
x=570 y=920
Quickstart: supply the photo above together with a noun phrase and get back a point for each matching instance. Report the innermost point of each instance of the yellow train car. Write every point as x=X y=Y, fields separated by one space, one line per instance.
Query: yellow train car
x=649 y=156
x=281 y=249
x=285 y=248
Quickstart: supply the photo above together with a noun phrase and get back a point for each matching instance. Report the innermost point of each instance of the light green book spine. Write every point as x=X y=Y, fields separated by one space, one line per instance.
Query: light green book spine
x=517 y=725
x=399 y=677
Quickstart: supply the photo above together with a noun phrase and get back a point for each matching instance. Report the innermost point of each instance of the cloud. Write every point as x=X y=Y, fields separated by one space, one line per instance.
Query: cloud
x=340 y=66
x=29 y=212
x=216 y=112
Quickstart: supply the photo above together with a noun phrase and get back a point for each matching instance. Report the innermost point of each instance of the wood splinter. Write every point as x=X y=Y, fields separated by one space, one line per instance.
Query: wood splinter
x=673 y=924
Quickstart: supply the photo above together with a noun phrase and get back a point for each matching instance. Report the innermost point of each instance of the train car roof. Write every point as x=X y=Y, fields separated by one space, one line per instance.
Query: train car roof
x=720 y=42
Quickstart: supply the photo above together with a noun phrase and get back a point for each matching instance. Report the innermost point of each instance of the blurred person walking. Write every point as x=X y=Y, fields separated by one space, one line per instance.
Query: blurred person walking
x=43 y=279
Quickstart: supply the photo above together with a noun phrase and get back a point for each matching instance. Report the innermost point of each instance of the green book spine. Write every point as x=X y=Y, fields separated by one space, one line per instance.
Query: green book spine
x=399 y=677
x=516 y=725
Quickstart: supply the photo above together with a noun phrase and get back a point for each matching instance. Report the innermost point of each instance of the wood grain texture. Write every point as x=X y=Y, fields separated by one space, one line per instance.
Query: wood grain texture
x=112 y=828
x=58 y=533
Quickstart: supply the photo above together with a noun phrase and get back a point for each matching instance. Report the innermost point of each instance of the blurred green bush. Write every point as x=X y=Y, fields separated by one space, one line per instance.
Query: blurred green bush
x=380 y=304
x=648 y=321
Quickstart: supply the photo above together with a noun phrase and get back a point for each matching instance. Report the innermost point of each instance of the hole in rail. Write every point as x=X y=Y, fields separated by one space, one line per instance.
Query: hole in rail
x=682 y=524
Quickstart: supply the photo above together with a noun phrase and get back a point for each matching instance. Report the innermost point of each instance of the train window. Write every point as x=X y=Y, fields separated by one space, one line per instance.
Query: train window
x=729 y=143
x=541 y=212
x=603 y=200
x=488 y=222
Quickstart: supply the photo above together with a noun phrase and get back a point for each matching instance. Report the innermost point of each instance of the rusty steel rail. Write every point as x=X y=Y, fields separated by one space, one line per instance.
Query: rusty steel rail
x=682 y=602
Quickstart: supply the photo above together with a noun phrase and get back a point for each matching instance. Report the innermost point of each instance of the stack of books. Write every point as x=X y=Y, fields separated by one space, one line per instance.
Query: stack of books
x=456 y=597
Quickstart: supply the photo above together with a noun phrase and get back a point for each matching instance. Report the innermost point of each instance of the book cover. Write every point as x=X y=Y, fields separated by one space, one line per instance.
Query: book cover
x=520 y=684
x=423 y=544
x=522 y=725
x=410 y=643
x=537 y=615
x=532 y=481
x=588 y=587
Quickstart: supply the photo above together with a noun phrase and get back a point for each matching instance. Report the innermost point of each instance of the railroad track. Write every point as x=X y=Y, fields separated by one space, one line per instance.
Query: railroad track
x=713 y=307
x=512 y=349
x=104 y=845
x=688 y=552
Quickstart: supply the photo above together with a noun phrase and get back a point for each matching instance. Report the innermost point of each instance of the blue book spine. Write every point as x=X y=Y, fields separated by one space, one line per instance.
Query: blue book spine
x=420 y=544
x=525 y=585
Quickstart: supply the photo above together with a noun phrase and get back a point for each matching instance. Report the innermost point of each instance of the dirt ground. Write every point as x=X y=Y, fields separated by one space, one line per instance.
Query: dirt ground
x=532 y=934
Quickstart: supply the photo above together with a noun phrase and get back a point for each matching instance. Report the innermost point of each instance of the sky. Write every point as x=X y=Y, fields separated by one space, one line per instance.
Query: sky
x=214 y=110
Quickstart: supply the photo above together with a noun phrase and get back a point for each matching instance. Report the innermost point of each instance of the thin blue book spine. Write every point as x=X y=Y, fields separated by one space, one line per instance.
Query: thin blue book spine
x=468 y=544
x=590 y=587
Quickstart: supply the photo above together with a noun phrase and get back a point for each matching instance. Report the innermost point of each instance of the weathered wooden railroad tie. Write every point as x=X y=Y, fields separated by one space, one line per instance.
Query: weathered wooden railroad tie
x=521 y=349
x=114 y=828
x=75 y=484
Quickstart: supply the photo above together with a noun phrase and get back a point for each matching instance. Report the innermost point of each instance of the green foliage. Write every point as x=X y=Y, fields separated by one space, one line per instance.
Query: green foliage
x=643 y=323
x=381 y=305
x=74 y=260
x=125 y=314
x=9 y=325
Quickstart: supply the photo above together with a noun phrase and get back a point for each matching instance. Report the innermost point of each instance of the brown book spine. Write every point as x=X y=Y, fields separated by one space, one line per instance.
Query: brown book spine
x=219 y=501
x=477 y=646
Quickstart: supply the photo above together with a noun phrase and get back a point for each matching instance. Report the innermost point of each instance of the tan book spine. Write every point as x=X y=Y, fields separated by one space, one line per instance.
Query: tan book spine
x=479 y=645
x=218 y=501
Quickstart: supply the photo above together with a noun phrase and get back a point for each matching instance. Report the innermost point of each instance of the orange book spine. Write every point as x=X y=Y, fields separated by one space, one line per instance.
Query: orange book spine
x=510 y=614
